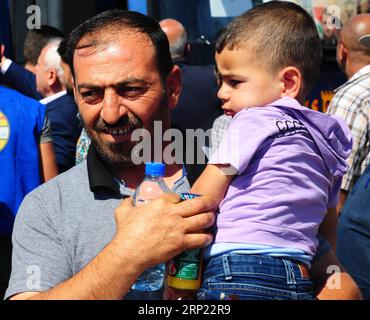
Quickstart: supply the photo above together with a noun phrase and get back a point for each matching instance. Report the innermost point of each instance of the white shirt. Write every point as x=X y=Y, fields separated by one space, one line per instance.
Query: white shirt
x=5 y=66
x=53 y=97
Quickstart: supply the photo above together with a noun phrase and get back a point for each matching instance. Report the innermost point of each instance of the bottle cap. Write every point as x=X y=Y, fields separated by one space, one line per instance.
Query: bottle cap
x=155 y=169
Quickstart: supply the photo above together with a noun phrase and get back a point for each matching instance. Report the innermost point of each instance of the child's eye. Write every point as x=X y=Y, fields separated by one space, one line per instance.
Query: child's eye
x=234 y=83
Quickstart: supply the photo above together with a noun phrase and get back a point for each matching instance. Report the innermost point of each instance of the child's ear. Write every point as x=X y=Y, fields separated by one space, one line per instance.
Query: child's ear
x=291 y=80
x=173 y=85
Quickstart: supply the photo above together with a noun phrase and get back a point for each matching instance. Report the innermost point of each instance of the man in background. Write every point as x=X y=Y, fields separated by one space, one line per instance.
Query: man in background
x=350 y=101
x=198 y=105
x=27 y=159
x=60 y=107
x=15 y=76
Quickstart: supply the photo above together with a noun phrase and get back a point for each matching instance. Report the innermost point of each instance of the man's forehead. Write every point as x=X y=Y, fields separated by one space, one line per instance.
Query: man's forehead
x=101 y=40
x=108 y=58
x=97 y=48
x=123 y=45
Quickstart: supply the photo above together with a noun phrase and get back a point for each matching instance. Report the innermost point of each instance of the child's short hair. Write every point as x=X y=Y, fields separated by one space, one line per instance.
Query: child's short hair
x=278 y=34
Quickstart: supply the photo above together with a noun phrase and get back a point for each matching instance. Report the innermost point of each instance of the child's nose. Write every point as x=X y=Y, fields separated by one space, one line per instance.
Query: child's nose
x=223 y=94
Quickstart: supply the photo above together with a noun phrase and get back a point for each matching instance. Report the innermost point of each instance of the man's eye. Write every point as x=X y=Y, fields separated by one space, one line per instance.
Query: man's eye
x=92 y=96
x=131 y=92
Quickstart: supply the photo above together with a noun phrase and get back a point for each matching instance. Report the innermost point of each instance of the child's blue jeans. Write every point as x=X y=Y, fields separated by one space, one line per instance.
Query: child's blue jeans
x=254 y=277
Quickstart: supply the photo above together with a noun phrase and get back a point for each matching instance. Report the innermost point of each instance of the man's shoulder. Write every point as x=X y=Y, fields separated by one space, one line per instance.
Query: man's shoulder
x=66 y=101
x=64 y=110
x=17 y=69
x=357 y=86
x=16 y=103
x=74 y=181
x=11 y=94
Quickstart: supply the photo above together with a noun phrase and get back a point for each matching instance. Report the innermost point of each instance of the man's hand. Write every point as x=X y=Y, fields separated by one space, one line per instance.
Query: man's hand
x=145 y=236
x=163 y=228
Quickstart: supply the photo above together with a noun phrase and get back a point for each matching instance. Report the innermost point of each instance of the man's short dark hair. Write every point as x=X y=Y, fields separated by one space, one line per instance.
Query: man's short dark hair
x=63 y=50
x=115 y=21
x=278 y=34
x=37 y=39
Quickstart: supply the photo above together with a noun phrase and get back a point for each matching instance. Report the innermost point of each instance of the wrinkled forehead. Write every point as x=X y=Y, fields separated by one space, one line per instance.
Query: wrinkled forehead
x=108 y=40
x=106 y=48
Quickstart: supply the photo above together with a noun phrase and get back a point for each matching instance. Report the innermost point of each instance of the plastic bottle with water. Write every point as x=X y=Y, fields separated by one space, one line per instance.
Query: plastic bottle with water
x=152 y=187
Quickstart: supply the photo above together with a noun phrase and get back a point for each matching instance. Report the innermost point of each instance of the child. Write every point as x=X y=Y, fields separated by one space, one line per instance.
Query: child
x=287 y=172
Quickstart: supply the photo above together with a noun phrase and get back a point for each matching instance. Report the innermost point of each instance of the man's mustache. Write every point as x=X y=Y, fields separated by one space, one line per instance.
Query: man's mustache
x=101 y=125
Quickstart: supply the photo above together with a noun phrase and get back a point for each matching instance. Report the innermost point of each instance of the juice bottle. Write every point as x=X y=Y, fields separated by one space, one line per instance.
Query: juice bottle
x=184 y=270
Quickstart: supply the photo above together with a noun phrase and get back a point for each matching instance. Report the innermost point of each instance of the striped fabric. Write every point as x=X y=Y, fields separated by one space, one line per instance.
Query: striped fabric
x=351 y=103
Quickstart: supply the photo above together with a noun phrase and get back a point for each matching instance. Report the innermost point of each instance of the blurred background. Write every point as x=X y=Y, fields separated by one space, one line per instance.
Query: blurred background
x=201 y=18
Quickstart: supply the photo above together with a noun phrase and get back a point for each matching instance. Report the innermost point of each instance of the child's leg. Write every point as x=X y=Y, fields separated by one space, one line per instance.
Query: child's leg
x=254 y=277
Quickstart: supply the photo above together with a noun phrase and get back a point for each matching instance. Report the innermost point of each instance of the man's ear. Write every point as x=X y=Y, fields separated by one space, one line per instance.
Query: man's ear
x=187 y=49
x=173 y=86
x=342 y=52
x=52 y=77
x=291 y=80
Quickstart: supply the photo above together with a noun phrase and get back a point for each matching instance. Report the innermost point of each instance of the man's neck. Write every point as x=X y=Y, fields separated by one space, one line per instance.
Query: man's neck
x=52 y=97
x=134 y=175
x=54 y=89
x=30 y=67
x=353 y=68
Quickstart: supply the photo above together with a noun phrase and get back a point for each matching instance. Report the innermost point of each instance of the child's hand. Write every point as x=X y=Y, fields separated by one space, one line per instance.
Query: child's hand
x=178 y=294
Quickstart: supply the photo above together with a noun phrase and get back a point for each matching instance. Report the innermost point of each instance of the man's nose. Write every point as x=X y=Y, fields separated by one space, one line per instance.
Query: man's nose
x=113 y=109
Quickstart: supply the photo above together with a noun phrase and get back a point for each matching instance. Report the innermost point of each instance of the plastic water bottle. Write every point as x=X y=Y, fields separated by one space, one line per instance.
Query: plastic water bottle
x=152 y=187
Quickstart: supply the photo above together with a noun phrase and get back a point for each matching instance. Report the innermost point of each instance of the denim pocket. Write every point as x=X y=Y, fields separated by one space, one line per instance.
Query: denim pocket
x=248 y=277
x=255 y=290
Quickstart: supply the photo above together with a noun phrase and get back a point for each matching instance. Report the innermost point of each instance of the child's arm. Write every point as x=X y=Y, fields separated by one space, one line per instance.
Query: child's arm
x=214 y=181
x=328 y=227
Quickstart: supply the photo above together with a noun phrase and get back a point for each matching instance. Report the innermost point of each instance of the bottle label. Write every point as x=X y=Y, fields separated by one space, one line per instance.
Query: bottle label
x=187 y=196
x=186 y=265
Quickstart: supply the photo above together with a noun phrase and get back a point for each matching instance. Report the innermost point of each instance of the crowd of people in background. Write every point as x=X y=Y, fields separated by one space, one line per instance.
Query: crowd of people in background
x=66 y=120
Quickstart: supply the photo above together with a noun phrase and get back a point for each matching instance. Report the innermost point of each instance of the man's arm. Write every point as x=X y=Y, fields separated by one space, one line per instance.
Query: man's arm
x=328 y=228
x=331 y=281
x=48 y=161
x=342 y=199
x=174 y=226
x=19 y=78
x=49 y=168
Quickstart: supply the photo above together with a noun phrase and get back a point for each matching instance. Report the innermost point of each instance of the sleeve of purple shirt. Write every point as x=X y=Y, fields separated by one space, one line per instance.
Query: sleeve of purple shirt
x=247 y=131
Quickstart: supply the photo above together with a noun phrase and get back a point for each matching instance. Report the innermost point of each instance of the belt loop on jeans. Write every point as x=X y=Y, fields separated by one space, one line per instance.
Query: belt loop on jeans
x=225 y=263
x=290 y=276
